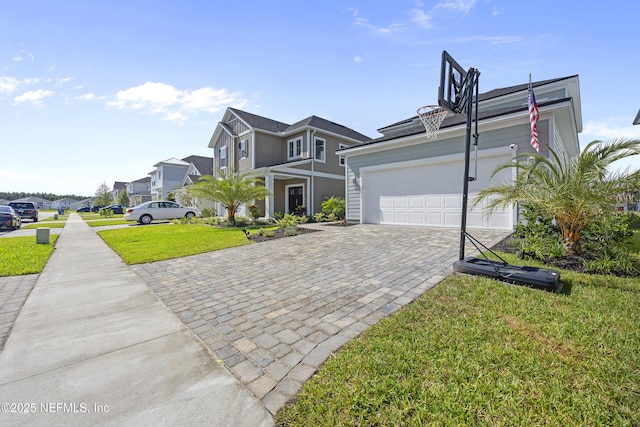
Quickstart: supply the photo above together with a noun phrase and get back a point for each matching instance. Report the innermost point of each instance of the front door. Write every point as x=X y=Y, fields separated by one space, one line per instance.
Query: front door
x=296 y=197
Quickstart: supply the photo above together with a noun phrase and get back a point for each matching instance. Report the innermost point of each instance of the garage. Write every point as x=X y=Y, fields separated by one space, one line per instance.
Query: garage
x=428 y=192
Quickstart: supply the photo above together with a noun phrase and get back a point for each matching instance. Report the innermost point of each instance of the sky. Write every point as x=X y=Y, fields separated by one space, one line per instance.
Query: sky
x=95 y=92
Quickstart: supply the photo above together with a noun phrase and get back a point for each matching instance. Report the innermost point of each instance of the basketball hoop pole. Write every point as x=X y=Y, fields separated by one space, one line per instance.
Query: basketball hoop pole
x=473 y=75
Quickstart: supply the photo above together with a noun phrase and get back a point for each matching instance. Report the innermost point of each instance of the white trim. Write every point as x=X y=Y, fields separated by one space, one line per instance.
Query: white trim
x=295 y=141
x=342 y=160
x=484 y=125
x=302 y=173
x=220 y=157
x=246 y=149
x=286 y=195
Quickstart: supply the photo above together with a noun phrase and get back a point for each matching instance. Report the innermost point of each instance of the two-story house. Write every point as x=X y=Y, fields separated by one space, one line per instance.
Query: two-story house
x=169 y=174
x=119 y=187
x=296 y=162
x=139 y=191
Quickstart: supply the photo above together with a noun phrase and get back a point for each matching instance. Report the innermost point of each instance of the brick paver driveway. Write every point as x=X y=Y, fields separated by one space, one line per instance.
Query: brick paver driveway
x=273 y=312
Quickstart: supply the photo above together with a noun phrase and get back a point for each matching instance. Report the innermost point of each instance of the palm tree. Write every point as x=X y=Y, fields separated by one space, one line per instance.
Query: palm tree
x=572 y=191
x=231 y=190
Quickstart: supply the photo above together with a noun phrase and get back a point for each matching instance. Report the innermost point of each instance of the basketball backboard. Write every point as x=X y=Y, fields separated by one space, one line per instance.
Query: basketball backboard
x=454 y=81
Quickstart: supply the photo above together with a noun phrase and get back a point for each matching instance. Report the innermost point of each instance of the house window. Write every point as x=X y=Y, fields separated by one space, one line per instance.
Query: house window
x=320 y=145
x=223 y=157
x=341 y=158
x=243 y=147
x=295 y=148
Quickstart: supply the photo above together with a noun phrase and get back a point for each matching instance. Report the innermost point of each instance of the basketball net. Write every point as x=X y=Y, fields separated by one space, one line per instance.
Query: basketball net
x=431 y=117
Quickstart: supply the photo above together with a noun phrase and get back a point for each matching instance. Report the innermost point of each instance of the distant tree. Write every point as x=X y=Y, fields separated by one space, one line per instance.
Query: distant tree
x=123 y=198
x=103 y=195
x=231 y=190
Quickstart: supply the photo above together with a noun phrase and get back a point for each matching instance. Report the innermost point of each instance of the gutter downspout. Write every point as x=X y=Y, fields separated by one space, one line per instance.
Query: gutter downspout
x=312 y=148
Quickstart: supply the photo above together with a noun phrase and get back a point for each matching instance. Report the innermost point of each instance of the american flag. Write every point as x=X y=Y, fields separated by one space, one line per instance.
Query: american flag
x=533 y=119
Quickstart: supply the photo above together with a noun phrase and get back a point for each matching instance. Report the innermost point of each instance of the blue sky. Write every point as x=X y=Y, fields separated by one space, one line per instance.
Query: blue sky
x=100 y=91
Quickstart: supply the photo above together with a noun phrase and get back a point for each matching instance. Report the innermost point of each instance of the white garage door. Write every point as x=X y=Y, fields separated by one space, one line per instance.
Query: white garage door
x=429 y=193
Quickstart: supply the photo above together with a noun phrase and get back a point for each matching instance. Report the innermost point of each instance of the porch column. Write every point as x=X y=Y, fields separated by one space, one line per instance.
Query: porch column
x=268 y=201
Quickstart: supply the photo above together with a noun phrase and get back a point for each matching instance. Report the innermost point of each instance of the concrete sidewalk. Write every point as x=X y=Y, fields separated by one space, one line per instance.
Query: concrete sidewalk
x=93 y=345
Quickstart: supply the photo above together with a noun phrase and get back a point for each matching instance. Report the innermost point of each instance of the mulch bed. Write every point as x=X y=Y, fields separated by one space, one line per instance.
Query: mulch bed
x=279 y=233
x=569 y=262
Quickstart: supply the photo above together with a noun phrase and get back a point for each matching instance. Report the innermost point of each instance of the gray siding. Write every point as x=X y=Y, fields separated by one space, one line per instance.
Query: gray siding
x=246 y=164
x=269 y=150
x=332 y=164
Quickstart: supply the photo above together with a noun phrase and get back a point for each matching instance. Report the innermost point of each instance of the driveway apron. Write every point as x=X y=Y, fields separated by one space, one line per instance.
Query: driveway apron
x=273 y=312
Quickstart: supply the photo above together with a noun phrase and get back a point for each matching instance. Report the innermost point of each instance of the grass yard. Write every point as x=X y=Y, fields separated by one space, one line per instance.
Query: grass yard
x=474 y=351
x=137 y=245
x=45 y=224
x=22 y=255
x=106 y=222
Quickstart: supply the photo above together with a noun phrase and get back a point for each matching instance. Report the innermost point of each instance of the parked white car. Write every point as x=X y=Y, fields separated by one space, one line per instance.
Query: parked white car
x=161 y=209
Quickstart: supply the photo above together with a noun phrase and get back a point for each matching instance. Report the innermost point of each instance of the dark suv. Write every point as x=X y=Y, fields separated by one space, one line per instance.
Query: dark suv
x=25 y=210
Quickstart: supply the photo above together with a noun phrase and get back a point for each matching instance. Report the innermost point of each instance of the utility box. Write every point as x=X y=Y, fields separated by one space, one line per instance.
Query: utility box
x=42 y=236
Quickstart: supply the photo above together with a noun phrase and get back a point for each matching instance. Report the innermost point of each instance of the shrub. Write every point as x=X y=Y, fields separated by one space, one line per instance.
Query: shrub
x=266 y=232
x=107 y=213
x=336 y=206
x=320 y=217
x=278 y=216
x=254 y=212
x=290 y=231
x=207 y=212
x=290 y=220
x=241 y=221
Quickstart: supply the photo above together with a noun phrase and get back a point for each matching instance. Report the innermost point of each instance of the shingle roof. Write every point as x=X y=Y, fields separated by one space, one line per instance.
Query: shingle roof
x=275 y=126
x=329 y=126
x=415 y=127
x=495 y=93
x=203 y=164
x=260 y=122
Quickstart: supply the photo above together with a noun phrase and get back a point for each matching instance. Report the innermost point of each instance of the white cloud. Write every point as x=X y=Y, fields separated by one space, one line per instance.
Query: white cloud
x=177 y=105
x=90 y=97
x=176 y=117
x=34 y=97
x=421 y=18
x=456 y=5
x=18 y=59
x=65 y=80
x=358 y=59
x=610 y=128
x=8 y=84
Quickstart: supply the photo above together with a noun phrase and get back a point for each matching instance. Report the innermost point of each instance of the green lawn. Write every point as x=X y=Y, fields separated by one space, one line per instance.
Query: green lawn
x=141 y=244
x=474 y=351
x=106 y=222
x=22 y=255
x=45 y=224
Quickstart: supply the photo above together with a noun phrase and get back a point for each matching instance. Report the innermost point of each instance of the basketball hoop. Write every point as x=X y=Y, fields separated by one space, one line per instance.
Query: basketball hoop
x=431 y=117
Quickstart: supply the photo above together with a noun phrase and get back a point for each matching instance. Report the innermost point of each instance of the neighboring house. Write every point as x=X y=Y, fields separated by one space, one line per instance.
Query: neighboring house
x=169 y=175
x=296 y=162
x=119 y=187
x=65 y=203
x=37 y=201
x=636 y=121
x=405 y=178
x=139 y=191
x=82 y=203
x=4 y=201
